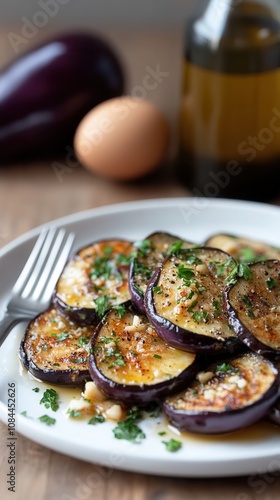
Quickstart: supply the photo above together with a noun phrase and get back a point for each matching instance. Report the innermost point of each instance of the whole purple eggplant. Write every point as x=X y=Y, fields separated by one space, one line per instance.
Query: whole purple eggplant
x=46 y=92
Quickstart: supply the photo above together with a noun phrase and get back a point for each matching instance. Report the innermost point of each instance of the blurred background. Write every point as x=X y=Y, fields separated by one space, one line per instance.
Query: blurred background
x=95 y=13
x=140 y=33
x=128 y=25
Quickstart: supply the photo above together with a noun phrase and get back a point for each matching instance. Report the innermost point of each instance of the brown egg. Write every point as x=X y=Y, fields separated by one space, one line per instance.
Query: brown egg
x=123 y=138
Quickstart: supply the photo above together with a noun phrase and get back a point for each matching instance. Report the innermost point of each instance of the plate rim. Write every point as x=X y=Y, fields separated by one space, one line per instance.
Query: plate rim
x=124 y=206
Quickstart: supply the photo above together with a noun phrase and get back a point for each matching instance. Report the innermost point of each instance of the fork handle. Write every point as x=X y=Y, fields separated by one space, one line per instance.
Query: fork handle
x=6 y=325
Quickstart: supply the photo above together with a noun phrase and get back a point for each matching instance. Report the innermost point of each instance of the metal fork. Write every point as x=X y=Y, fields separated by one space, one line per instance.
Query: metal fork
x=33 y=289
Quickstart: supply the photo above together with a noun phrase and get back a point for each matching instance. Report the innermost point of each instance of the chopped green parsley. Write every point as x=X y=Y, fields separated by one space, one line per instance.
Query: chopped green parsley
x=249 y=305
x=141 y=269
x=60 y=336
x=128 y=429
x=199 y=316
x=46 y=419
x=82 y=341
x=175 y=248
x=192 y=306
x=79 y=360
x=74 y=413
x=144 y=247
x=185 y=272
x=226 y=368
x=248 y=255
x=49 y=399
x=97 y=419
x=120 y=309
x=172 y=445
x=102 y=304
x=271 y=283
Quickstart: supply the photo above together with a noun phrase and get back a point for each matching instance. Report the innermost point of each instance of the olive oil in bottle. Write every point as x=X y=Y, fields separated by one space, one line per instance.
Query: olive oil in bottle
x=230 y=110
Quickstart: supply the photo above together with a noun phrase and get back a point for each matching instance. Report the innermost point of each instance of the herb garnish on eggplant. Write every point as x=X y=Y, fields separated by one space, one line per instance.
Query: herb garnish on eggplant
x=184 y=300
x=131 y=363
x=55 y=350
x=94 y=280
x=148 y=255
x=198 y=299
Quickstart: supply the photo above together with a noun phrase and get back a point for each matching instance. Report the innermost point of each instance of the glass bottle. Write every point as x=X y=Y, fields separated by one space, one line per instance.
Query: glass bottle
x=230 y=112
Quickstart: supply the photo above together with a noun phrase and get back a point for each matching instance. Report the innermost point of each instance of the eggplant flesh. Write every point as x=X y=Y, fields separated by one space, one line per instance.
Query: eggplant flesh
x=131 y=363
x=227 y=395
x=94 y=280
x=184 y=300
x=55 y=350
x=243 y=249
x=254 y=307
x=47 y=91
x=149 y=254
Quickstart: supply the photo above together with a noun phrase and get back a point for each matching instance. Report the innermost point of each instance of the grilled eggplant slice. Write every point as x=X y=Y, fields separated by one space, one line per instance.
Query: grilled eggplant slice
x=243 y=249
x=253 y=307
x=130 y=362
x=55 y=350
x=184 y=300
x=226 y=396
x=94 y=280
x=149 y=254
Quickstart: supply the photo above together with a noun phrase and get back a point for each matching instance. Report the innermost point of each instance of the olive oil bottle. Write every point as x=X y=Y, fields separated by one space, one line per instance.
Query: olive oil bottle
x=230 y=110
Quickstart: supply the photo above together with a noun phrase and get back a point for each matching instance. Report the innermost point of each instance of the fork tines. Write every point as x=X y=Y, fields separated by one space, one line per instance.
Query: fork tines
x=44 y=265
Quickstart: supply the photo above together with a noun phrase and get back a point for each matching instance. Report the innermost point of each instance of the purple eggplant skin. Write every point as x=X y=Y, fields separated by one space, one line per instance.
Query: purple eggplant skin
x=66 y=378
x=80 y=315
x=140 y=393
x=46 y=92
x=220 y=423
x=229 y=420
x=242 y=332
x=136 y=295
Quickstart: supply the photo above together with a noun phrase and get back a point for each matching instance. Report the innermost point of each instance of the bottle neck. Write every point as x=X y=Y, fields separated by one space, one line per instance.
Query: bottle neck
x=212 y=23
x=236 y=36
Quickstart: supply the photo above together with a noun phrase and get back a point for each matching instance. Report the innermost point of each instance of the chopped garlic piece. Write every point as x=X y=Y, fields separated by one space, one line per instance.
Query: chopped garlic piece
x=204 y=377
x=202 y=268
x=136 y=320
x=233 y=379
x=241 y=383
x=209 y=394
x=137 y=325
x=177 y=309
x=93 y=393
x=79 y=405
x=115 y=412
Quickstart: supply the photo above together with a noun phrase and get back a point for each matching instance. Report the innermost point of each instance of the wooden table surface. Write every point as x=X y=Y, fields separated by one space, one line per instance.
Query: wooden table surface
x=30 y=195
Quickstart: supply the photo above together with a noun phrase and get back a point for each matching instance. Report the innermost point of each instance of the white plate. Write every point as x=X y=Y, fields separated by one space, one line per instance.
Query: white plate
x=255 y=450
